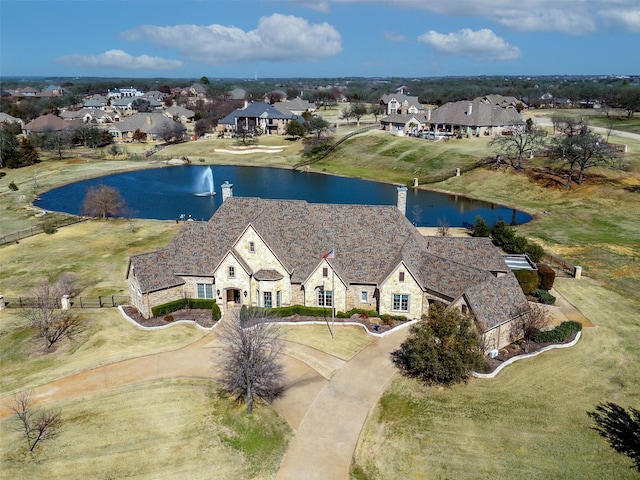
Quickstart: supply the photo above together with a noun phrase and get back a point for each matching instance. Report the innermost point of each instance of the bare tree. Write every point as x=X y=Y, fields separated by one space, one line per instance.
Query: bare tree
x=103 y=201
x=46 y=316
x=531 y=322
x=250 y=362
x=522 y=141
x=36 y=426
x=443 y=228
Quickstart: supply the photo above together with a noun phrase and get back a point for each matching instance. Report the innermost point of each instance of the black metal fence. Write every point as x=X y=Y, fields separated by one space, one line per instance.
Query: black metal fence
x=102 y=301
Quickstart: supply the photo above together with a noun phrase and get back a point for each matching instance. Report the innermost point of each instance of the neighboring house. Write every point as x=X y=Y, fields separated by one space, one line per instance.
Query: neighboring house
x=260 y=117
x=54 y=90
x=180 y=114
x=473 y=117
x=6 y=118
x=123 y=103
x=272 y=253
x=94 y=104
x=90 y=115
x=409 y=124
x=156 y=95
x=124 y=92
x=502 y=101
x=47 y=123
x=154 y=125
x=238 y=94
x=296 y=106
x=401 y=104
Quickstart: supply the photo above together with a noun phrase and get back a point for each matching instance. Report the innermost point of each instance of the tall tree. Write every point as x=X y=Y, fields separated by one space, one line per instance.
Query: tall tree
x=251 y=365
x=358 y=110
x=522 y=141
x=579 y=148
x=441 y=348
x=27 y=153
x=103 y=201
x=620 y=427
x=8 y=148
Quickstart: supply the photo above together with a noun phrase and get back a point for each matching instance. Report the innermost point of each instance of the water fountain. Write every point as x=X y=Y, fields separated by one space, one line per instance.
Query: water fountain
x=206 y=183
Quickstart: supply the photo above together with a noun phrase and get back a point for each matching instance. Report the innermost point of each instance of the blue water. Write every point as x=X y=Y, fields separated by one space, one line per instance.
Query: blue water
x=169 y=192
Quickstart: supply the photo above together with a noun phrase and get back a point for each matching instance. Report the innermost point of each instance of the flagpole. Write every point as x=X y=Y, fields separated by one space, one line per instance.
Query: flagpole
x=333 y=302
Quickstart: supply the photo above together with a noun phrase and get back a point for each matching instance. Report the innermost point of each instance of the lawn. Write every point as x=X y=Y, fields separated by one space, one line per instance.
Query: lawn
x=174 y=429
x=529 y=421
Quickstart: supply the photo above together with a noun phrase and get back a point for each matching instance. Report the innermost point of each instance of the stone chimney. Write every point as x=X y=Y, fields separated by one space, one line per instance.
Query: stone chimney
x=470 y=108
x=227 y=190
x=402 y=200
x=148 y=119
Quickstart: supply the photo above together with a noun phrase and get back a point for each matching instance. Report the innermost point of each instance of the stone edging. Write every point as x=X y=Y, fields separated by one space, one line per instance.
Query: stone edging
x=357 y=324
x=528 y=355
x=160 y=327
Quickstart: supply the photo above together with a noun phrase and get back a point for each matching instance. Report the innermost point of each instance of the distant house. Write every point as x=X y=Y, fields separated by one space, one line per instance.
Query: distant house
x=180 y=114
x=154 y=125
x=8 y=119
x=124 y=92
x=404 y=124
x=94 y=104
x=238 y=94
x=258 y=117
x=47 y=123
x=296 y=106
x=400 y=104
x=502 y=101
x=90 y=115
x=272 y=253
x=473 y=117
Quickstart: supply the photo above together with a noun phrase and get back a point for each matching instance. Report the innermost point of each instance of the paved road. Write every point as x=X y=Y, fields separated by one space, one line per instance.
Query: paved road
x=546 y=122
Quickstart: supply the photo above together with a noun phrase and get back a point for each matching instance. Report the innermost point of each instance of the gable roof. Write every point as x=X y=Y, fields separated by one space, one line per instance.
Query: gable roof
x=359 y=258
x=496 y=301
x=402 y=99
x=475 y=113
x=478 y=251
x=150 y=123
x=48 y=122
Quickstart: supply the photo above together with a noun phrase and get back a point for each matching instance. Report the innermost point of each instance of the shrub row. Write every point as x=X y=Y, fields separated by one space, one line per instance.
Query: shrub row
x=504 y=236
x=246 y=312
x=357 y=311
x=559 y=334
x=544 y=297
x=196 y=303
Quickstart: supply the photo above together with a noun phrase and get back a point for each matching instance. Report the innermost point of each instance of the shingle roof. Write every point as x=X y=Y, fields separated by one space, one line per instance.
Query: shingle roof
x=48 y=122
x=496 y=301
x=369 y=241
x=479 y=252
x=475 y=114
x=147 y=123
x=401 y=98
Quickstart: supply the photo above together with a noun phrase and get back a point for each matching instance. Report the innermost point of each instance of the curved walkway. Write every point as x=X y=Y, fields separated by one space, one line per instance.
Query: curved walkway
x=327 y=399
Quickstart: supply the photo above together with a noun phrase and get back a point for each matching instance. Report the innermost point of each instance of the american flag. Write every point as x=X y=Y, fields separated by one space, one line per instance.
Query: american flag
x=329 y=254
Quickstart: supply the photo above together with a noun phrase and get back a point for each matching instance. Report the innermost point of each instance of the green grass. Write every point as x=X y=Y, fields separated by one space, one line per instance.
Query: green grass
x=171 y=429
x=348 y=340
x=105 y=337
x=531 y=419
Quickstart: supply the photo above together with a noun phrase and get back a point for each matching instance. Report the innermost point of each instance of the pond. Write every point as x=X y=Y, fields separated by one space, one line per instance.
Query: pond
x=183 y=191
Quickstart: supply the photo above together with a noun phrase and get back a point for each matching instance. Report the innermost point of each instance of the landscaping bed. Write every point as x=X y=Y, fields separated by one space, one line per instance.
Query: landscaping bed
x=200 y=316
x=521 y=347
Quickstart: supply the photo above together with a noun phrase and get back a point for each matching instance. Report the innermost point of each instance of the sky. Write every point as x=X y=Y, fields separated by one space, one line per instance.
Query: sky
x=253 y=39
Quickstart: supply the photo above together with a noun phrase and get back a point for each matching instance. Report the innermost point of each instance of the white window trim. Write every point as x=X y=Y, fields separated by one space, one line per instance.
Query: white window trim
x=400 y=300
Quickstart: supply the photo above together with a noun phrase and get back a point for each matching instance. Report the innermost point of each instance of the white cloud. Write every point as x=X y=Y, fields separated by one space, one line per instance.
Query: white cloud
x=318 y=6
x=394 y=37
x=121 y=60
x=278 y=37
x=482 y=44
x=622 y=19
x=572 y=17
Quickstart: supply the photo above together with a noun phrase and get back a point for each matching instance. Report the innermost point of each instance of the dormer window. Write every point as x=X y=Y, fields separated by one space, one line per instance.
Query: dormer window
x=232 y=272
x=401 y=277
x=325 y=272
x=252 y=247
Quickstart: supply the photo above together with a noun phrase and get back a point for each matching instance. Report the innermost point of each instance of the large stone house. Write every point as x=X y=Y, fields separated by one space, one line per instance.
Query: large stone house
x=258 y=117
x=475 y=117
x=154 y=125
x=400 y=104
x=272 y=253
